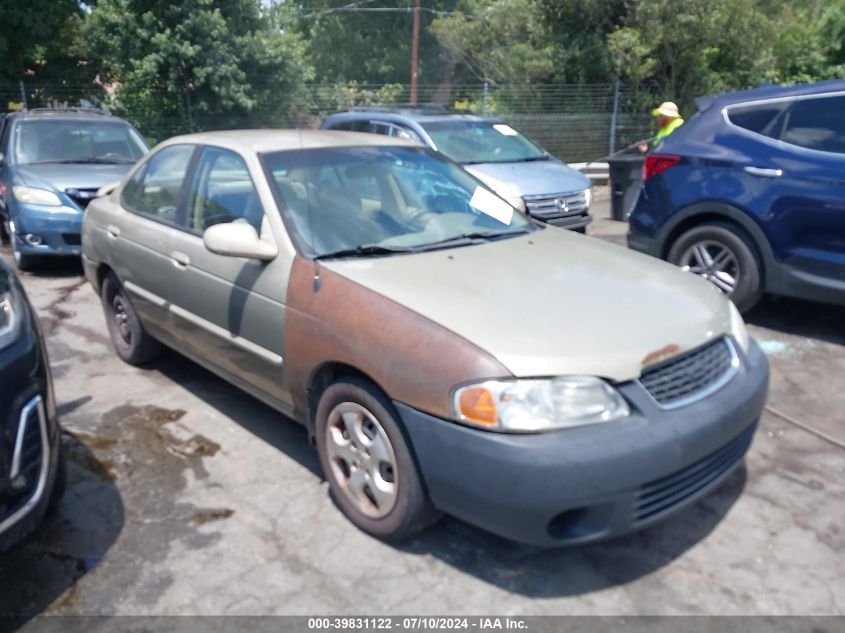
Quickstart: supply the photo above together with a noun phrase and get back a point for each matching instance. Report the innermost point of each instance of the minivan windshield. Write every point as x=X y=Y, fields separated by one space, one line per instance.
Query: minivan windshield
x=77 y=141
x=469 y=142
x=360 y=201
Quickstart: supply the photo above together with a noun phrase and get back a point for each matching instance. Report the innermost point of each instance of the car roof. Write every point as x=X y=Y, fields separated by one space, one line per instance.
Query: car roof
x=769 y=92
x=64 y=113
x=423 y=115
x=270 y=140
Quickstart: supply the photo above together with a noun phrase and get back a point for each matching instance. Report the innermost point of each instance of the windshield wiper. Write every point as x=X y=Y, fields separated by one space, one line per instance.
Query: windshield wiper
x=509 y=160
x=366 y=249
x=528 y=159
x=465 y=239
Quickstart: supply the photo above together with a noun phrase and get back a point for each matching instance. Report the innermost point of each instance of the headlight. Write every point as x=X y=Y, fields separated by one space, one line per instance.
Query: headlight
x=33 y=195
x=11 y=311
x=588 y=194
x=738 y=329
x=538 y=404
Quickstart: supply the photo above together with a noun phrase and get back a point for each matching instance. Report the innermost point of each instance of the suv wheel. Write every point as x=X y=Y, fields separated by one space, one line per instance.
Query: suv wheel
x=367 y=462
x=725 y=257
x=131 y=341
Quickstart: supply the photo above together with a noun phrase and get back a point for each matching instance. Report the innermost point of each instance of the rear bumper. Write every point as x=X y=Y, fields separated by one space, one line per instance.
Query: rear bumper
x=590 y=483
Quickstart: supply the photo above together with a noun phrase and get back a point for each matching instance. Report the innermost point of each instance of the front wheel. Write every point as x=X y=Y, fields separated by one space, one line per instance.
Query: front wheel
x=725 y=257
x=131 y=341
x=368 y=464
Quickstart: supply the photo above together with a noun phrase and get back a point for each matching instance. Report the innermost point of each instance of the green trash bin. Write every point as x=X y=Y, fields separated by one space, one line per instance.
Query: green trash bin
x=626 y=177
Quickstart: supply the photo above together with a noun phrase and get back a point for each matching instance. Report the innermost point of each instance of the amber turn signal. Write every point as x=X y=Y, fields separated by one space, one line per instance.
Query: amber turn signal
x=478 y=405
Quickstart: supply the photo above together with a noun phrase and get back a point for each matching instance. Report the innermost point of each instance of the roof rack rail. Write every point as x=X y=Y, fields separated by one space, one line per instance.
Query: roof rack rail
x=69 y=109
x=397 y=107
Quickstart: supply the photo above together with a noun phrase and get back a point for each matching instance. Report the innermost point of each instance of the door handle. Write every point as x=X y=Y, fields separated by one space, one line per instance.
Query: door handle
x=764 y=172
x=113 y=231
x=180 y=260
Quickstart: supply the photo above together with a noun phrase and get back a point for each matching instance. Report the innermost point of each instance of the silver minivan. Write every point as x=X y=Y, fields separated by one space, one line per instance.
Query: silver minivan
x=382 y=296
x=502 y=157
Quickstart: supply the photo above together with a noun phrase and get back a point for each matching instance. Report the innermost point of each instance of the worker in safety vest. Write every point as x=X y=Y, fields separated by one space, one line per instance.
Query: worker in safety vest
x=668 y=120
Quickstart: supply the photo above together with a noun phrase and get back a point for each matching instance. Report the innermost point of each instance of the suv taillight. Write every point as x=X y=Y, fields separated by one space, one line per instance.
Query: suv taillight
x=656 y=163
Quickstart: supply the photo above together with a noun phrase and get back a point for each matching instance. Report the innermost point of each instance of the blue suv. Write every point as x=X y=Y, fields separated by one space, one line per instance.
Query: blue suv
x=750 y=194
x=52 y=162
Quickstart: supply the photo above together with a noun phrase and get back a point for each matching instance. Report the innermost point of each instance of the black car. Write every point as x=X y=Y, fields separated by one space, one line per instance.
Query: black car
x=32 y=467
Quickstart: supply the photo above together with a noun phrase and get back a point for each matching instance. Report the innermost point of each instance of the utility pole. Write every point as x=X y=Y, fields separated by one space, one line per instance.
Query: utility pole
x=415 y=53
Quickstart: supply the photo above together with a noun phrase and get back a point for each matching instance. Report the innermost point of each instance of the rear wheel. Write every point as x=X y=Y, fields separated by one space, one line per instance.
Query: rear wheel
x=367 y=462
x=131 y=341
x=724 y=256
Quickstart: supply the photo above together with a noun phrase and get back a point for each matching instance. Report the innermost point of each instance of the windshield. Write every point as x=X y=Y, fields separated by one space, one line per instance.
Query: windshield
x=384 y=199
x=482 y=142
x=77 y=141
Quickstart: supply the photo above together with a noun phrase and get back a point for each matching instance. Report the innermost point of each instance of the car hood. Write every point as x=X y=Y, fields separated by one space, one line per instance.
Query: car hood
x=63 y=176
x=553 y=302
x=531 y=178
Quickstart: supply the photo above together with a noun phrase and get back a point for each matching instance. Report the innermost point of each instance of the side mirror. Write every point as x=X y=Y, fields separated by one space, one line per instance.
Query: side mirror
x=238 y=239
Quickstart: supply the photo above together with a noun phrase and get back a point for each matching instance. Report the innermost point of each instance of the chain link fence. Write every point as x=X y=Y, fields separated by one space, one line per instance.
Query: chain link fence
x=576 y=123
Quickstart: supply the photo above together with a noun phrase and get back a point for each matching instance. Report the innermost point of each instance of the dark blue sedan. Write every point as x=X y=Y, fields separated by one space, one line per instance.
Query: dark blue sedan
x=750 y=194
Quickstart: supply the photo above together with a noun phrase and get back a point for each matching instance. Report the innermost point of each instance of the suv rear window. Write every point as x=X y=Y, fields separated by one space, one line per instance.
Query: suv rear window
x=760 y=119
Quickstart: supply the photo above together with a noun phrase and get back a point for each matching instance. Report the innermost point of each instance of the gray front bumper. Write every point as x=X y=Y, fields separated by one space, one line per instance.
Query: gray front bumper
x=595 y=482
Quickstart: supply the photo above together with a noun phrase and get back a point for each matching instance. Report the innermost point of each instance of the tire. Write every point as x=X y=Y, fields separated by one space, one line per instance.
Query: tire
x=4 y=231
x=726 y=243
x=402 y=508
x=131 y=341
x=581 y=229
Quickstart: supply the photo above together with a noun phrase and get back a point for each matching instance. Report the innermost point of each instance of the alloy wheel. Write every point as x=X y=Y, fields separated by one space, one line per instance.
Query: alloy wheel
x=713 y=261
x=362 y=459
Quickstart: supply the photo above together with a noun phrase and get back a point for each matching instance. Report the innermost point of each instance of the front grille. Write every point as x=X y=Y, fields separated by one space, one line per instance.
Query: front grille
x=556 y=205
x=661 y=495
x=692 y=375
x=72 y=239
x=81 y=196
x=27 y=461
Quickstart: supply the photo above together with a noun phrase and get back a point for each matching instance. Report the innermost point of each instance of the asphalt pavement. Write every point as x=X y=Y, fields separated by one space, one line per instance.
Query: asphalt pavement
x=187 y=496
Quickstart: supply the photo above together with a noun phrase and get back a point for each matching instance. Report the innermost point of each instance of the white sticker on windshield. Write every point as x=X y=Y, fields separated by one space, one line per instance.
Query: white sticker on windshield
x=492 y=205
x=507 y=130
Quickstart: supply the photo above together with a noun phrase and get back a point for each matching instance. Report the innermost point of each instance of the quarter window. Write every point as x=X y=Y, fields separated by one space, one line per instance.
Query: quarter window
x=817 y=124
x=760 y=119
x=223 y=192
x=155 y=189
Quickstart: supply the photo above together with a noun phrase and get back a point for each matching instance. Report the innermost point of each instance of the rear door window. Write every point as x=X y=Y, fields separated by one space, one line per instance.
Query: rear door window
x=156 y=188
x=817 y=124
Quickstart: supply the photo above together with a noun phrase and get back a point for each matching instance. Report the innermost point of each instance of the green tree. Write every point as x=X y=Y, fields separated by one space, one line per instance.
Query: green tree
x=362 y=42
x=504 y=41
x=202 y=63
x=35 y=37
